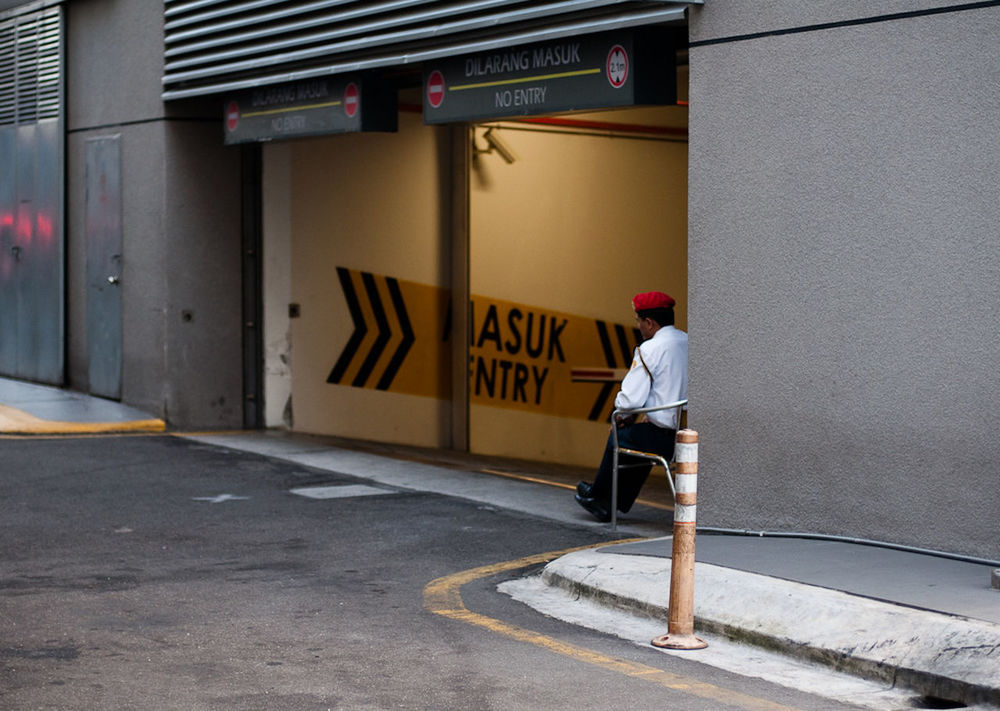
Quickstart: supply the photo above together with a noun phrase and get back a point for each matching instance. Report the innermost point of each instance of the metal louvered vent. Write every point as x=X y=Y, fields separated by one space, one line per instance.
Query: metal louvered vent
x=31 y=68
x=214 y=46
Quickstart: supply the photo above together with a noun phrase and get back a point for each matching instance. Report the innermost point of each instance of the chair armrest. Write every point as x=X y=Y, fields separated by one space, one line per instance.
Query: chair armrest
x=640 y=411
x=643 y=410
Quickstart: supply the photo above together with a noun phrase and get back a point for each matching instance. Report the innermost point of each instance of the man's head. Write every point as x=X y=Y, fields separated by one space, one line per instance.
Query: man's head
x=653 y=310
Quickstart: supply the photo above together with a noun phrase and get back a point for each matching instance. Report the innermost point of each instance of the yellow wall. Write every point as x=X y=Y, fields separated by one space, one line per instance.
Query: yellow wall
x=578 y=224
x=367 y=203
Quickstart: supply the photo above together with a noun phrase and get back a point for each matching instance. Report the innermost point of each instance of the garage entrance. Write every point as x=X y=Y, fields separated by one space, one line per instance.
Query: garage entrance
x=468 y=284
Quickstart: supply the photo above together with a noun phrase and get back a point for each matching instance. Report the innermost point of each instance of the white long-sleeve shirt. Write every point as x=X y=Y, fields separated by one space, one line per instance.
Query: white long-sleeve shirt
x=666 y=356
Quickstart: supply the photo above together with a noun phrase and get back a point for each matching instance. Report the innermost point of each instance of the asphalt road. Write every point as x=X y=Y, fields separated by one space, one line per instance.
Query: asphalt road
x=153 y=572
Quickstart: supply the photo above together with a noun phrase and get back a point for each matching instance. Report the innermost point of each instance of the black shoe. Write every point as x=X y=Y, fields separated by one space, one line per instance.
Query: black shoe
x=585 y=490
x=597 y=508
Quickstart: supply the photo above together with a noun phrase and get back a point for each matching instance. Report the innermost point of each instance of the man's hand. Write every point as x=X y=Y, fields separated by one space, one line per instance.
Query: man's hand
x=625 y=420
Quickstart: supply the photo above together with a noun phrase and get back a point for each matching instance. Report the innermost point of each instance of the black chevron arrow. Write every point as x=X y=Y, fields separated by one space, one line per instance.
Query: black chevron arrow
x=361 y=330
x=609 y=355
x=623 y=344
x=607 y=388
x=384 y=334
x=408 y=338
x=360 y=327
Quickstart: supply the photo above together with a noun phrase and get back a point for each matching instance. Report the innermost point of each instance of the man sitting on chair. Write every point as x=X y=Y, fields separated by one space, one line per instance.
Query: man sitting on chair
x=658 y=376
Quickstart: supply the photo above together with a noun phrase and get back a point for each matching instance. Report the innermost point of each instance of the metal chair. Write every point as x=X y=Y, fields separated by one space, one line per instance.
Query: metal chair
x=654 y=458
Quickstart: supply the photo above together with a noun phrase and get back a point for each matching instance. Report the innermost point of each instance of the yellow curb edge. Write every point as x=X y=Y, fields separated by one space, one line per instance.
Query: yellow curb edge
x=14 y=421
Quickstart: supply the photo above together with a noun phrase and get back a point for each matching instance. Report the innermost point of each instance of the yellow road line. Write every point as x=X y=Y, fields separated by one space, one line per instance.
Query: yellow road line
x=443 y=597
x=14 y=421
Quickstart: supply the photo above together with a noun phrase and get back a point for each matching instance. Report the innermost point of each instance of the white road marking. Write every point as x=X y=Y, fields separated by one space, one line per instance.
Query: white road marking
x=220 y=498
x=344 y=491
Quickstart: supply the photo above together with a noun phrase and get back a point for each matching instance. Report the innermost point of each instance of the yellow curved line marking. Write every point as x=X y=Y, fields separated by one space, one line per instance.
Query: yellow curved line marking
x=443 y=597
x=14 y=421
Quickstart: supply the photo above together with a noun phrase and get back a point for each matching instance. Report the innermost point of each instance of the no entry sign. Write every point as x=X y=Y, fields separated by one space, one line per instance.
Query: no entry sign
x=435 y=89
x=622 y=68
x=232 y=115
x=309 y=108
x=351 y=99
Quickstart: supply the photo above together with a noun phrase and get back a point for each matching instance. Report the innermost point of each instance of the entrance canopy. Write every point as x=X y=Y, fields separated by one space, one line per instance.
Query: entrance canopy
x=212 y=48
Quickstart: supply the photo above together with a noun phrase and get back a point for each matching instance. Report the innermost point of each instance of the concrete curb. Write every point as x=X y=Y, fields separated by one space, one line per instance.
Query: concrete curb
x=937 y=655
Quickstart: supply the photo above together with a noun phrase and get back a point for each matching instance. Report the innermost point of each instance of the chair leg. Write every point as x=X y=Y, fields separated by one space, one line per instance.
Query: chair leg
x=614 y=489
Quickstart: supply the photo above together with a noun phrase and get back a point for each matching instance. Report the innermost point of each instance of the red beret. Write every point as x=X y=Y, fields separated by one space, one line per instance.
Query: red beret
x=652 y=300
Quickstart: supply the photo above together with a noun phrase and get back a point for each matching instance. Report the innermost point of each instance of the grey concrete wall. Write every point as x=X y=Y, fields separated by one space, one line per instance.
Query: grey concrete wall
x=843 y=272
x=736 y=18
x=202 y=261
x=181 y=221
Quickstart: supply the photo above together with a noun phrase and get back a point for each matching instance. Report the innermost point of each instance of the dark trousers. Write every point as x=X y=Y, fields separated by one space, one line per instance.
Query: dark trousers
x=643 y=437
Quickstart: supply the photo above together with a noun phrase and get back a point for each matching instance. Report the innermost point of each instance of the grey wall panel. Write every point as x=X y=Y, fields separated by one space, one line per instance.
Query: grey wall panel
x=734 y=18
x=203 y=323
x=843 y=289
x=180 y=221
x=145 y=291
x=113 y=62
x=181 y=247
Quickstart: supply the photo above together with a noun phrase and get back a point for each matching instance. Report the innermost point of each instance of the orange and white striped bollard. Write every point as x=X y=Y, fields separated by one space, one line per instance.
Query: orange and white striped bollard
x=680 y=623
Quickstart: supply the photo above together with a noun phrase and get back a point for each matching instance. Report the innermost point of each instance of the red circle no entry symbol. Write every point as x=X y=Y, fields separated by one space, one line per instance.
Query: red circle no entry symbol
x=351 y=101
x=232 y=115
x=435 y=88
x=617 y=66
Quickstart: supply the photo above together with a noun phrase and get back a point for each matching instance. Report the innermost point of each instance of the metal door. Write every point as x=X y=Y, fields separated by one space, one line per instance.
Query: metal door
x=31 y=252
x=104 y=265
x=9 y=251
x=32 y=262
x=40 y=325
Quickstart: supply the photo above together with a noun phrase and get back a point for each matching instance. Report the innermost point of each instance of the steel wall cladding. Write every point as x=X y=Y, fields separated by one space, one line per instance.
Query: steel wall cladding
x=31 y=197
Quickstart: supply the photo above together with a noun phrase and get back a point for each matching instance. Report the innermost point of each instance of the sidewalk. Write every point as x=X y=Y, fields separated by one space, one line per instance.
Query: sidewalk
x=917 y=621
x=26 y=408
x=924 y=622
